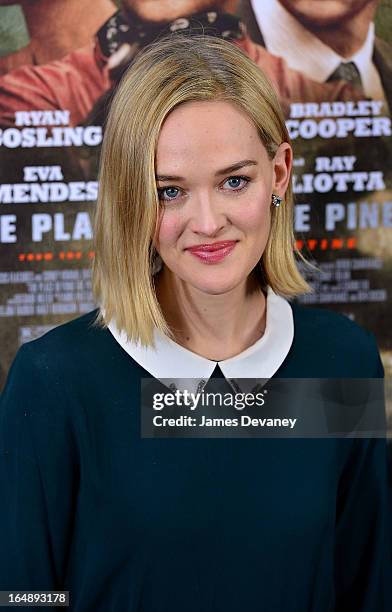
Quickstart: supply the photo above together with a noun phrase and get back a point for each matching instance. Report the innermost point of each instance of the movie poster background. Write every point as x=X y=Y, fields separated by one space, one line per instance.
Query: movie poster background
x=56 y=76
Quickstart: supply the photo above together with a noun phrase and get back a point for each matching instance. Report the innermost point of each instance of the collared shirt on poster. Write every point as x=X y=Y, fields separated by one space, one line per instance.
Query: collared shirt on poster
x=286 y=37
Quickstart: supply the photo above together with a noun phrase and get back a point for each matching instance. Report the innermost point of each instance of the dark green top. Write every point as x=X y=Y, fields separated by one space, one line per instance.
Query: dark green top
x=129 y=524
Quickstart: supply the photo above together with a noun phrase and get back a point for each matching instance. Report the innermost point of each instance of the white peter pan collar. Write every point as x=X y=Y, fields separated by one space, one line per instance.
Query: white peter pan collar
x=178 y=367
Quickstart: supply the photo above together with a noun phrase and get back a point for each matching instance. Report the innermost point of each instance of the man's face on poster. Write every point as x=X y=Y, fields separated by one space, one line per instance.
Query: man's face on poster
x=325 y=13
x=167 y=10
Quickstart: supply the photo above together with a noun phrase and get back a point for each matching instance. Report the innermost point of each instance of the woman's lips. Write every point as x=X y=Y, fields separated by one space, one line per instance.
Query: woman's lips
x=213 y=253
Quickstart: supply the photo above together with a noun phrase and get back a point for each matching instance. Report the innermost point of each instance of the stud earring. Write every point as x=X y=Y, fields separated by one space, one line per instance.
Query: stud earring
x=276 y=200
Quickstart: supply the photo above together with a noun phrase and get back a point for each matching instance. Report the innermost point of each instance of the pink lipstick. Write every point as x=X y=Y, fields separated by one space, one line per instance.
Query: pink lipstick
x=213 y=253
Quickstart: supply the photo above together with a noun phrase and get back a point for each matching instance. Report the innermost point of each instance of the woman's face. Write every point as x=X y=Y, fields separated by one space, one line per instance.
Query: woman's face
x=215 y=181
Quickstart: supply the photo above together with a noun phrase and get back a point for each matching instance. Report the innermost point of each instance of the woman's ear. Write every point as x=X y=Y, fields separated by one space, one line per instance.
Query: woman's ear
x=283 y=162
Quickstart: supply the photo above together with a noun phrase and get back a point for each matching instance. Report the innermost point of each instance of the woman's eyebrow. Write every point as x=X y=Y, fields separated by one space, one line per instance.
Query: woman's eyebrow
x=232 y=168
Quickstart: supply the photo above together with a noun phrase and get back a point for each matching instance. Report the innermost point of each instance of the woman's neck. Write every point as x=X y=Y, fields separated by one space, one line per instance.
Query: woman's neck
x=215 y=326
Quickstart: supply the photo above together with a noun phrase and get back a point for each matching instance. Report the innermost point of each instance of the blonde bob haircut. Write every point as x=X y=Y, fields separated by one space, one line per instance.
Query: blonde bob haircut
x=173 y=70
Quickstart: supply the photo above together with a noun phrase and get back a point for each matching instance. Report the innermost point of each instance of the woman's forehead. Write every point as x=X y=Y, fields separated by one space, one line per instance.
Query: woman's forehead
x=206 y=130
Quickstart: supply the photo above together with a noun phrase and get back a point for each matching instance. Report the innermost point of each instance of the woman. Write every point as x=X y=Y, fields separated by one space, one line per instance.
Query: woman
x=194 y=262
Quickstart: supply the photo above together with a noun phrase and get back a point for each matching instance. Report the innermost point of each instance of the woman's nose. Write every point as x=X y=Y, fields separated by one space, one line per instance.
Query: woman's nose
x=206 y=215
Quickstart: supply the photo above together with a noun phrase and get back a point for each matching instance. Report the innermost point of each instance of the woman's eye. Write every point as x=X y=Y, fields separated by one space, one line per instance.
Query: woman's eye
x=171 y=193
x=235 y=182
x=167 y=193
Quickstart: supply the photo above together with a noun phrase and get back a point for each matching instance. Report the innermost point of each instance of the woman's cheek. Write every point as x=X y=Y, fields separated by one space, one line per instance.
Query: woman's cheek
x=169 y=231
x=256 y=214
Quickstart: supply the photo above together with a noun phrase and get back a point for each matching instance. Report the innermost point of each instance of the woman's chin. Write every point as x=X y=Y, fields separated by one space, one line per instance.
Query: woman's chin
x=214 y=286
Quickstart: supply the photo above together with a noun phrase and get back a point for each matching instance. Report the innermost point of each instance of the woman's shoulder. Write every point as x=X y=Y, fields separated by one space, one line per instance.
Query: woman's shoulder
x=335 y=342
x=320 y=321
x=74 y=336
x=72 y=347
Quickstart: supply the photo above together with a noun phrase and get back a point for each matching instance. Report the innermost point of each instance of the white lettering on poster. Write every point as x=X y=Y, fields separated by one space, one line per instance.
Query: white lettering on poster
x=78 y=136
x=362 y=215
x=7 y=228
x=339 y=181
x=351 y=216
x=43 y=223
x=42 y=117
x=338 y=119
x=364 y=108
x=336 y=174
x=335 y=163
x=26 y=193
x=33 y=191
x=362 y=127
x=42 y=173
x=302 y=217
